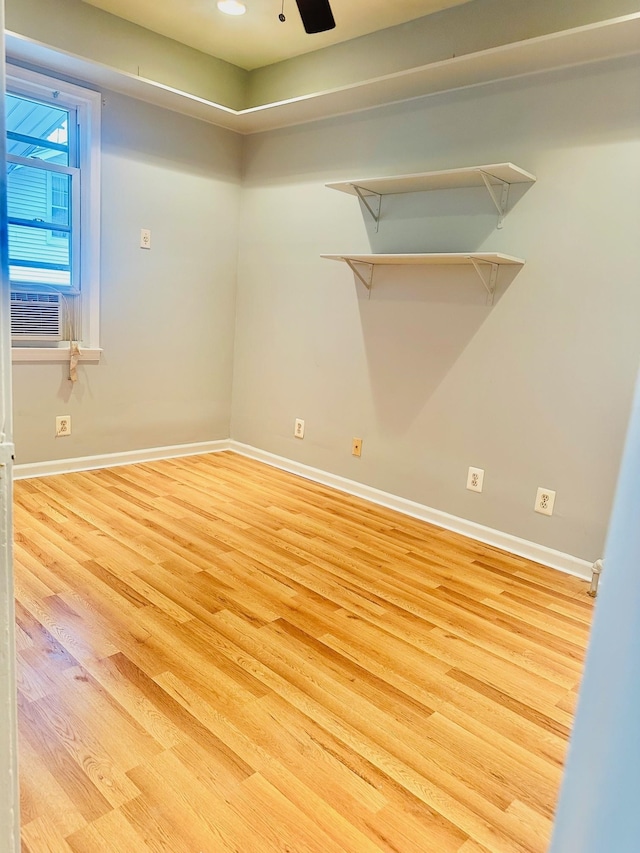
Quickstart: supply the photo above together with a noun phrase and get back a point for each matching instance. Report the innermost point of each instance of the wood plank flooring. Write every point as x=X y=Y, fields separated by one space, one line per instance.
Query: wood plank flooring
x=218 y=656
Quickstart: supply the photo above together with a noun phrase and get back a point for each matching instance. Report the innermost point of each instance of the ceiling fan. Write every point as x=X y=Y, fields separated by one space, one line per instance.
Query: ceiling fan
x=316 y=15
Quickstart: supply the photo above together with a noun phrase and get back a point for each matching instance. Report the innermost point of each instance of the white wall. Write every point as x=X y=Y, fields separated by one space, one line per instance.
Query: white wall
x=167 y=320
x=598 y=808
x=535 y=390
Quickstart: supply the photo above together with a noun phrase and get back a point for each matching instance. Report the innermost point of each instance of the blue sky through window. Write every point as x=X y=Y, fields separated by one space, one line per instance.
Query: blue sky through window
x=37 y=130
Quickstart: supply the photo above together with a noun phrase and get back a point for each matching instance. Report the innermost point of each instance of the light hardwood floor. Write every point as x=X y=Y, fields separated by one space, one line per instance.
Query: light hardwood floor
x=217 y=656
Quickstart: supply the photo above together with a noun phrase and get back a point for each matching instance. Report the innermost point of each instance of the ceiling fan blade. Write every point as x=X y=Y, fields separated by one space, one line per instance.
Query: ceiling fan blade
x=316 y=15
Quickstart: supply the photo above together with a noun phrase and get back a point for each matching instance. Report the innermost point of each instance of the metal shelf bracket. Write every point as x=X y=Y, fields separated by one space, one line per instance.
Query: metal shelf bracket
x=372 y=201
x=366 y=279
x=488 y=282
x=501 y=197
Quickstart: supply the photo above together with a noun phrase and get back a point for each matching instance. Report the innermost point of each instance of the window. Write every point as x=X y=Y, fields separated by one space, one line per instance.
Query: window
x=53 y=174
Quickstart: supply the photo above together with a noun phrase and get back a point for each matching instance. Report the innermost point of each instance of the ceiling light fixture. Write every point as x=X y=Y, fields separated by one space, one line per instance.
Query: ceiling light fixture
x=232 y=7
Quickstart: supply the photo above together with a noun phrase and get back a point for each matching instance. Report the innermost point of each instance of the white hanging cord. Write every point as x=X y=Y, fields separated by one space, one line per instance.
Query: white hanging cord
x=74 y=349
x=72 y=325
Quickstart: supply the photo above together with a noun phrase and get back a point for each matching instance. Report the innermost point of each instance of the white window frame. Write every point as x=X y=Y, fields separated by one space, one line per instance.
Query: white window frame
x=87 y=104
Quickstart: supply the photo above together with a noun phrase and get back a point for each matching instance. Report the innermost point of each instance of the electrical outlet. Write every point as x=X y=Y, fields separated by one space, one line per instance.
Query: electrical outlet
x=145 y=238
x=356 y=447
x=545 y=499
x=298 y=429
x=475 y=478
x=63 y=425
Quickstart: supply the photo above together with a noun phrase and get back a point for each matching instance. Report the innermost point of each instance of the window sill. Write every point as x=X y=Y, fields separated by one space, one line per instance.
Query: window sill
x=59 y=354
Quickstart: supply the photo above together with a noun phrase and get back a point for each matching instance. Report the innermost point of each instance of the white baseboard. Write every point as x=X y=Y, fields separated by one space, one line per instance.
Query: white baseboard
x=487 y=535
x=111 y=460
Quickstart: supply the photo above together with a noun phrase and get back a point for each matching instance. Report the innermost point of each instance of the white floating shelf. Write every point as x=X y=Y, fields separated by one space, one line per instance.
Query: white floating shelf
x=469 y=176
x=496 y=177
x=481 y=261
x=429 y=258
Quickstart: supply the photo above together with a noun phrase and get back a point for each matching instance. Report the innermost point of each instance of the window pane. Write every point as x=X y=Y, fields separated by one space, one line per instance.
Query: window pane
x=37 y=130
x=37 y=257
x=37 y=195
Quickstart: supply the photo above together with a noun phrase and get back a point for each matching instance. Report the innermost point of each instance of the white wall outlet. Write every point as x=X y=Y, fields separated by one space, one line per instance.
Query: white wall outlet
x=63 y=425
x=545 y=499
x=298 y=429
x=475 y=479
x=145 y=238
x=356 y=447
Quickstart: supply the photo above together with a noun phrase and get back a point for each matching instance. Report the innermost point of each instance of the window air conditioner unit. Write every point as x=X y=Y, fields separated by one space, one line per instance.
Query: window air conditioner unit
x=35 y=316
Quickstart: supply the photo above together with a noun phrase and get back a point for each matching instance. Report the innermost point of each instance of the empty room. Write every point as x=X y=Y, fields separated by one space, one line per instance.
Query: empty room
x=320 y=348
